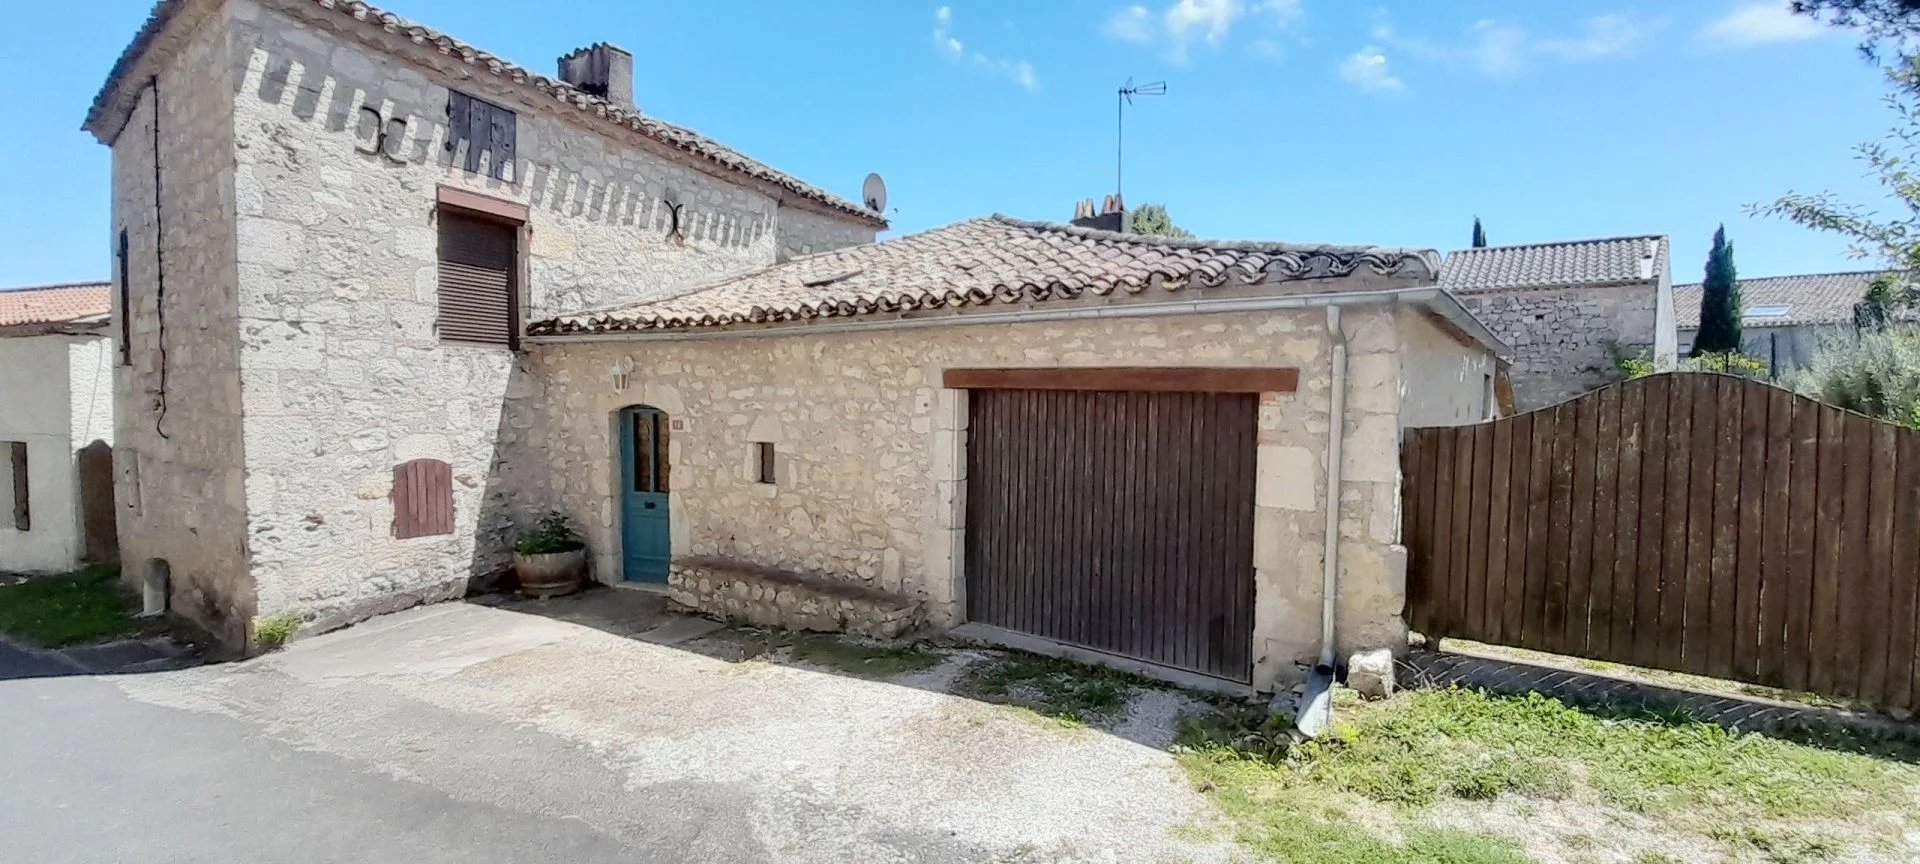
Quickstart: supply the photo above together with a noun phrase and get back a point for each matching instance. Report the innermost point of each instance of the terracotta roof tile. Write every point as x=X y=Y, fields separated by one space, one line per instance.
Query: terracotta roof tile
x=1609 y=261
x=53 y=304
x=986 y=261
x=1812 y=298
x=680 y=138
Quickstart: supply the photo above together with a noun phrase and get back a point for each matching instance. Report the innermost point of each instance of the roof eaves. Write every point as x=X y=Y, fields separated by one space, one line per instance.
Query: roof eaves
x=111 y=101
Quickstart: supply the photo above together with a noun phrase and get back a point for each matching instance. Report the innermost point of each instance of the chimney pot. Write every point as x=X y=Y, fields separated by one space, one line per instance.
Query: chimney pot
x=602 y=69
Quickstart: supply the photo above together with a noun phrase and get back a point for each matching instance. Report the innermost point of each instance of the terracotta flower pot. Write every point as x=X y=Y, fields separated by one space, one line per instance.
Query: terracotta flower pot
x=551 y=574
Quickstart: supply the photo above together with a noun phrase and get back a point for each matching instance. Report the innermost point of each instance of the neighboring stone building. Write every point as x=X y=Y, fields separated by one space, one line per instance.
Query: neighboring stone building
x=1566 y=307
x=316 y=161
x=1784 y=318
x=56 y=428
x=333 y=405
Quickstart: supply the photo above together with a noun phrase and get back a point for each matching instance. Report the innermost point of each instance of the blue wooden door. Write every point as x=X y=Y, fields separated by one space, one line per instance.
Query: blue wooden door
x=644 y=534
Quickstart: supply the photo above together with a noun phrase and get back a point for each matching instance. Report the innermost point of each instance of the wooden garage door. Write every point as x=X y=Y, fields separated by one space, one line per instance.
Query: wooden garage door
x=1121 y=522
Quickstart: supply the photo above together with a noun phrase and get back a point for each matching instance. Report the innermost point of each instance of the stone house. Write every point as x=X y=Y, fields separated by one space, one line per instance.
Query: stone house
x=391 y=298
x=288 y=178
x=1566 y=307
x=1784 y=319
x=56 y=428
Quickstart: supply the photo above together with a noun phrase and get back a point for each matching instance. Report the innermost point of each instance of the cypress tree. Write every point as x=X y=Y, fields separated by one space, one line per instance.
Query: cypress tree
x=1479 y=234
x=1719 y=301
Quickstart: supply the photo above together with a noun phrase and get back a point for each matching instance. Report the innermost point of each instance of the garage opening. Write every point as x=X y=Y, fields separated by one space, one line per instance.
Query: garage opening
x=1116 y=521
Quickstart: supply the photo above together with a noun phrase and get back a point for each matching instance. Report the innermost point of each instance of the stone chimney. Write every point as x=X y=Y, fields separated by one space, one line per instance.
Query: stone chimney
x=603 y=69
x=1112 y=215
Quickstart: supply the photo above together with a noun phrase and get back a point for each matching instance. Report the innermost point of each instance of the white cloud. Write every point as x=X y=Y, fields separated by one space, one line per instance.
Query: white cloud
x=1208 y=19
x=1368 y=70
x=1186 y=23
x=1132 y=24
x=1762 y=23
x=942 y=32
x=1499 y=48
x=1600 y=37
x=1018 y=71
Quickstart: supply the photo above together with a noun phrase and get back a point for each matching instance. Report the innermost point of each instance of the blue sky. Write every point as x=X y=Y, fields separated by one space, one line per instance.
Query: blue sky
x=1299 y=120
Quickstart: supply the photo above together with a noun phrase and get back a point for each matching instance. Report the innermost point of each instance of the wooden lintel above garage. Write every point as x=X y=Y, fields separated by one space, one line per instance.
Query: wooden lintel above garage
x=1139 y=379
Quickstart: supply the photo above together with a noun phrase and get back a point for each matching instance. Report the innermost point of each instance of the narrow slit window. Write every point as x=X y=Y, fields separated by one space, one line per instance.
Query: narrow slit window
x=15 y=464
x=763 y=462
x=126 y=302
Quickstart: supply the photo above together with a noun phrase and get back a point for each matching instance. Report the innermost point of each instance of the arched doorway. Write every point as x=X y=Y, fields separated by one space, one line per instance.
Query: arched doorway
x=645 y=530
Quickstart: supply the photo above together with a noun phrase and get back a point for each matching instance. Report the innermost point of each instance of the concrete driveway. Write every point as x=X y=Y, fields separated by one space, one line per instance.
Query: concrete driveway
x=470 y=733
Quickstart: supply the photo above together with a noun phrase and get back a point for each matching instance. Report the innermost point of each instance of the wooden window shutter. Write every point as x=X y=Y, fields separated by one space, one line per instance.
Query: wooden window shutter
x=479 y=297
x=422 y=499
x=22 y=496
x=487 y=130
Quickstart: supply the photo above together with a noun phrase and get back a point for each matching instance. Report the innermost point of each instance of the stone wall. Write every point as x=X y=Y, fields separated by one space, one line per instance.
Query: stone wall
x=181 y=476
x=765 y=597
x=1560 y=337
x=870 y=468
x=343 y=374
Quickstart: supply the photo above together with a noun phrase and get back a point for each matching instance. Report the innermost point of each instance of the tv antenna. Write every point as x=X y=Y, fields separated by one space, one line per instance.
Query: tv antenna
x=1125 y=98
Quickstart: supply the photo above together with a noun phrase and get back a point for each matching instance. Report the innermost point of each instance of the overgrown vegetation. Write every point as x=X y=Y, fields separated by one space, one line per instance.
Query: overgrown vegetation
x=865 y=659
x=1424 y=748
x=74 y=609
x=1061 y=690
x=1731 y=362
x=273 y=631
x=554 y=534
x=1877 y=374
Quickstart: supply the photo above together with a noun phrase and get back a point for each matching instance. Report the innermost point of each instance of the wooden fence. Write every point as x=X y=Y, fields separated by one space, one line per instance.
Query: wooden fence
x=1693 y=522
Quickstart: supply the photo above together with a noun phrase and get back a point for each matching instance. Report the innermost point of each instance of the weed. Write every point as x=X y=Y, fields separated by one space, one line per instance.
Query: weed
x=862 y=658
x=273 y=631
x=74 y=609
x=1059 y=689
x=1785 y=846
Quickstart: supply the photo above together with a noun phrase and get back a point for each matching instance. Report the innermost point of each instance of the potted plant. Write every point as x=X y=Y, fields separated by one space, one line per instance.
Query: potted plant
x=552 y=560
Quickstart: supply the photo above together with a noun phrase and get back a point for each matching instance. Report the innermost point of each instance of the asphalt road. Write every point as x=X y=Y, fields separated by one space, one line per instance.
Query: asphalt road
x=474 y=735
x=94 y=776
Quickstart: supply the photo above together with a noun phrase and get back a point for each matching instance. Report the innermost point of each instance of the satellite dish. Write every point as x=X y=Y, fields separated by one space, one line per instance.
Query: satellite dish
x=874 y=193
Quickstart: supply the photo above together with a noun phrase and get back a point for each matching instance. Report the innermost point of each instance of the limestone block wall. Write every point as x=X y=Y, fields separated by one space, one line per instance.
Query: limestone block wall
x=801 y=232
x=343 y=374
x=1560 y=337
x=177 y=407
x=870 y=467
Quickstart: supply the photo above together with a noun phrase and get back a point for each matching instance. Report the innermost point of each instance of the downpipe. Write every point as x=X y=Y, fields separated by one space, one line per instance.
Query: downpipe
x=1314 y=713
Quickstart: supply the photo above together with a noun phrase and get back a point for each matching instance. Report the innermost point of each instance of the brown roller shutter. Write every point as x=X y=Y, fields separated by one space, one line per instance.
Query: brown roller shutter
x=479 y=301
x=1116 y=521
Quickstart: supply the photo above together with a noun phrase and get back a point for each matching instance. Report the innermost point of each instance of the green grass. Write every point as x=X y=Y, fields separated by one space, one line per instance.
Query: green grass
x=860 y=658
x=1298 y=824
x=1429 y=747
x=1068 y=693
x=74 y=609
x=273 y=631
